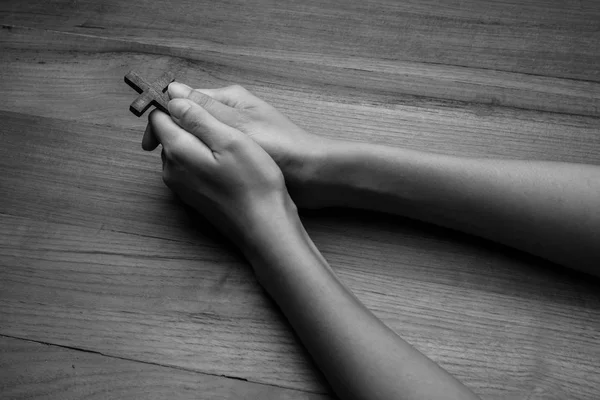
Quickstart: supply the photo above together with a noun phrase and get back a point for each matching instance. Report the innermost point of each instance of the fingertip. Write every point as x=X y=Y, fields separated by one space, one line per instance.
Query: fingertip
x=149 y=141
x=178 y=107
x=178 y=90
x=152 y=116
x=162 y=129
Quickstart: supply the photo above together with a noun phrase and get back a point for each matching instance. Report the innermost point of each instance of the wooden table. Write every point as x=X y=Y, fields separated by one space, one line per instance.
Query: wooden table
x=109 y=288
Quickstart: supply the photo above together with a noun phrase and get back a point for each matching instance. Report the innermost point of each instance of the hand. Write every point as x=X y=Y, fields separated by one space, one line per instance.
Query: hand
x=295 y=151
x=217 y=169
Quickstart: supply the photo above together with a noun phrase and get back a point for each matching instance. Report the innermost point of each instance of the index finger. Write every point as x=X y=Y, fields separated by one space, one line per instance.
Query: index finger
x=178 y=141
x=157 y=121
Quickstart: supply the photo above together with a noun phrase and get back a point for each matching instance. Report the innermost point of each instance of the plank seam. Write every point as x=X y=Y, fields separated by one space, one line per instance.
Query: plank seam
x=72 y=348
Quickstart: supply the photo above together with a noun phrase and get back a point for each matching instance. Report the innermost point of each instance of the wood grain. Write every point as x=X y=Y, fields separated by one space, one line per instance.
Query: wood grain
x=33 y=370
x=84 y=88
x=550 y=38
x=97 y=255
x=346 y=79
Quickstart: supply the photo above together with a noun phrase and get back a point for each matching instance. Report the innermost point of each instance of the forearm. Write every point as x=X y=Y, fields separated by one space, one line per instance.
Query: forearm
x=360 y=356
x=545 y=208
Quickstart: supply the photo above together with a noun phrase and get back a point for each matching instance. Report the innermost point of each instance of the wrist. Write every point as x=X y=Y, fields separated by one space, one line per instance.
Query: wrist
x=278 y=246
x=268 y=220
x=371 y=176
x=337 y=173
x=302 y=173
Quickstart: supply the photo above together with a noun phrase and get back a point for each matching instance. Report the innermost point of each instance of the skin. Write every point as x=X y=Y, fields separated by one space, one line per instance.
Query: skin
x=240 y=163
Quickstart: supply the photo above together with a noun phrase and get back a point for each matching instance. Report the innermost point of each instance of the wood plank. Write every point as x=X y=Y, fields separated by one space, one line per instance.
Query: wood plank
x=38 y=371
x=91 y=175
x=178 y=304
x=31 y=55
x=505 y=324
x=550 y=38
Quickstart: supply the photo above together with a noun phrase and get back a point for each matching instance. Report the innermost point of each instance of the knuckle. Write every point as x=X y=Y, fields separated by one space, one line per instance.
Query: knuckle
x=193 y=125
x=201 y=99
x=275 y=177
x=234 y=144
x=238 y=89
x=174 y=150
x=190 y=119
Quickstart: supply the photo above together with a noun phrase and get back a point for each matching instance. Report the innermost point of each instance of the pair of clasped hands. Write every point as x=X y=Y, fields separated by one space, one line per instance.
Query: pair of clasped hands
x=233 y=157
x=225 y=153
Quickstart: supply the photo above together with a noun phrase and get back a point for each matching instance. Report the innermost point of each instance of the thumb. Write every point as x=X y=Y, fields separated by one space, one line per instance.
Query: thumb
x=220 y=111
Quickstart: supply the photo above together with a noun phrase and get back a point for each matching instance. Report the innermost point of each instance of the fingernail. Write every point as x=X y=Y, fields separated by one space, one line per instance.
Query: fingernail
x=177 y=107
x=177 y=89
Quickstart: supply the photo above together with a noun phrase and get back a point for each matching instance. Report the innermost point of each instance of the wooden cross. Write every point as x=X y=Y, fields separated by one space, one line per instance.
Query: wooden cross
x=151 y=93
